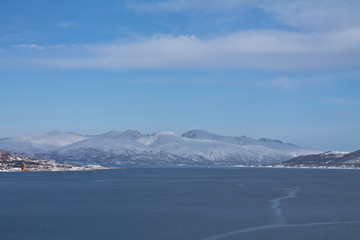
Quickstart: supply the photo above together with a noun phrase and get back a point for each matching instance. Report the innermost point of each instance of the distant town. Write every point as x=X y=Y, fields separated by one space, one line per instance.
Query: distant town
x=10 y=162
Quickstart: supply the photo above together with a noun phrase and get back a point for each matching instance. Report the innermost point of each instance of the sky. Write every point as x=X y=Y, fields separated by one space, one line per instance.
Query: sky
x=287 y=70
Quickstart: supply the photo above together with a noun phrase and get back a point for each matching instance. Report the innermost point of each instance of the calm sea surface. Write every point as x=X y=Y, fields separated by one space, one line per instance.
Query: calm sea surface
x=181 y=203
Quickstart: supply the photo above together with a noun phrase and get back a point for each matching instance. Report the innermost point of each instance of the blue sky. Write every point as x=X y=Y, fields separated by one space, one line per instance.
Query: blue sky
x=281 y=69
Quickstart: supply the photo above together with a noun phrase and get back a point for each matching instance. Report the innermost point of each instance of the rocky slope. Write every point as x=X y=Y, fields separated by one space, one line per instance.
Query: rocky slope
x=326 y=160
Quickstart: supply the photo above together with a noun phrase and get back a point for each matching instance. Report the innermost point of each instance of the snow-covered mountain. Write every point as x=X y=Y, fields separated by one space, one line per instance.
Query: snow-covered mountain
x=133 y=147
x=327 y=160
x=57 y=139
x=46 y=142
x=243 y=140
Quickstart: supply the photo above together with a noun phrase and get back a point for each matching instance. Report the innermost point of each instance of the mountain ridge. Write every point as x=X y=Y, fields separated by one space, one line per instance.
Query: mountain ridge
x=133 y=147
x=326 y=160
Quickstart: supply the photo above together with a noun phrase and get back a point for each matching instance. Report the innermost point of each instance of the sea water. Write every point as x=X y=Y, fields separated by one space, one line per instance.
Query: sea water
x=181 y=203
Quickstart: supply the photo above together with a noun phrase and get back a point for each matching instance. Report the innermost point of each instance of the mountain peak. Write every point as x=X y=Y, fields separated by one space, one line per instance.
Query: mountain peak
x=269 y=140
x=197 y=134
x=57 y=138
x=152 y=138
x=112 y=133
x=165 y=133
x=202 y=134
x=117 y=134
x=54 y=132
x=133 y=133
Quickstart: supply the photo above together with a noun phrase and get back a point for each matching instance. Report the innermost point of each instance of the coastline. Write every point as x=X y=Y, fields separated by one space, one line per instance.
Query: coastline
x=74 y=169
x=299 y=167
x=98 y=167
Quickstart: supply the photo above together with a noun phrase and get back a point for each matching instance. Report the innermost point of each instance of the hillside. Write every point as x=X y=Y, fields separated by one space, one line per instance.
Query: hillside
x=326 y=160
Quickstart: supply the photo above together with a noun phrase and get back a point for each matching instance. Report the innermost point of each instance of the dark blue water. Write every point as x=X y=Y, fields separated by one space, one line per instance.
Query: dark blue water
x=178 y=203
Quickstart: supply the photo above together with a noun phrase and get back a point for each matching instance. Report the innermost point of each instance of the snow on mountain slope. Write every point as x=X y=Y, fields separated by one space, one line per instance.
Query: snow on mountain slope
x=115 y=147
x=113 y=141
x=150 y=139
x=45 y=142
x=132 y=147
x=214 y=151
x=202 y=134
x=327 y=159
x=166 y=147
x=243 y=140
x=20 y=146
x=57 y=139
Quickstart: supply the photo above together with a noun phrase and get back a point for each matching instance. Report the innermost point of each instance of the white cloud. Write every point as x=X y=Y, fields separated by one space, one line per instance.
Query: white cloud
x=264 y=50
x=315 y=14
x=294 y=82
x=66 y=24
x=29 y=46
x=311 y=15
x=281 y=82
x=183 y=5
x=344 y=101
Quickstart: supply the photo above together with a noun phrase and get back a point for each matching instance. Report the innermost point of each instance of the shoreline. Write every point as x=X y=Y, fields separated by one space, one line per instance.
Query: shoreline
x=75 y=169
x=83 y=169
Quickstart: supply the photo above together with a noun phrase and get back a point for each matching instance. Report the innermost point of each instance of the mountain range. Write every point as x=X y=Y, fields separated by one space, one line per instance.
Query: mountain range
x=132 y=147
x=326 y=160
